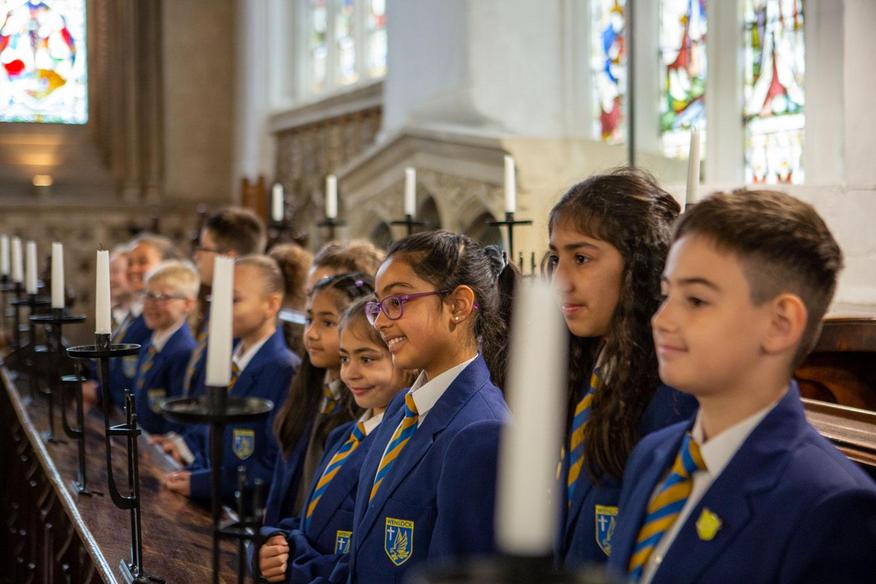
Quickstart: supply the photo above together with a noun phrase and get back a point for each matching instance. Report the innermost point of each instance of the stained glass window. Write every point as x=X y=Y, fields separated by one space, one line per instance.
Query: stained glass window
x=318 y=44
x=773 y=90
x=682 y=73
x=345 y=43
x=376 y=30
x=43 y=53
x=608 y=69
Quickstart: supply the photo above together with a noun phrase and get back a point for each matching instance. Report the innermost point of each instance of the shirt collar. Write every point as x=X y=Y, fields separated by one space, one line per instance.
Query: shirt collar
x=160 y=338
x=136 y=307
x=427 y=393
x=242 y=359
x=335 y=386
x=371 y=421
x=718 y=451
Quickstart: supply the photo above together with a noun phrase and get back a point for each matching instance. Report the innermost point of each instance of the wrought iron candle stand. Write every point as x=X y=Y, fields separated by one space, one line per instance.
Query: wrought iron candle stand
x=510 y=223
x=54 y=351
x=103 y=350
x=331 y=223
x=410 y=223
x=248 y=519
x=5 y=288
x=74 y=382
x=219 y=410
x=22 y=358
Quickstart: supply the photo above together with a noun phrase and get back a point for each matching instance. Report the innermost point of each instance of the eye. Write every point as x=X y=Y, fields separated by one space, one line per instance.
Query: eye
x=392 y=302
x=553 y=260
x=581 y=259
x=308 y=321
x=695 y=302
x=344 y=360
x=367 y=360
x=328 y=323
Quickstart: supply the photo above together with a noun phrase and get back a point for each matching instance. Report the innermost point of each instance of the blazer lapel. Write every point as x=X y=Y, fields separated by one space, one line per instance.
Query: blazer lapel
x=339 y=488
x=753 y=470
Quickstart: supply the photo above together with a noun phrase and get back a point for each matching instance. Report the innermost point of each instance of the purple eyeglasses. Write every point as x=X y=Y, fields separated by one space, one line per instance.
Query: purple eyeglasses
x=393 y=306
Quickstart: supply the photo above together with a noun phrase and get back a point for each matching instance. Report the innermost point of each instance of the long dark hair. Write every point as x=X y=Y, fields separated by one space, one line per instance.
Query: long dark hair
x=302 y=404
x=629 y=210
x=447 y=260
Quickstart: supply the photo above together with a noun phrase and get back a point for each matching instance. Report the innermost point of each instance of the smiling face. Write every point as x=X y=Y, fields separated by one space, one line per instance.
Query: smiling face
x=321 y=333
x=587 y=272
x=710 y=337
x=423 y=338
x=367 y=369
x=169 y=311
x=143 y=259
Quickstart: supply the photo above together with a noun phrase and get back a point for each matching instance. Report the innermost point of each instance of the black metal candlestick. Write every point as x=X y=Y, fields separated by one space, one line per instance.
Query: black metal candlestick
x=331 y=223
x=5 y=288
x=218 y=410
x=510 y=223
x=74 y=382
x=103 y=350
x=55 y=346
x=18 y=291
x=410 y=223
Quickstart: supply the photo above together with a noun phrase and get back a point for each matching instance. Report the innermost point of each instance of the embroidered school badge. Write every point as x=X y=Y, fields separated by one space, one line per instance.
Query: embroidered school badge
x=243 y=443
x=129 y=366
x=708 y=525
x=606 y=521
x=155 y=397
x=342 y=542
x=398 y=540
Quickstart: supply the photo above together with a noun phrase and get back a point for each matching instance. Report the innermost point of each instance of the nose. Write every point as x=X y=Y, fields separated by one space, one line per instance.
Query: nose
x=351 y=370
x=311 y=333
x=382 y=321
x=662 y=321
x=560 y=279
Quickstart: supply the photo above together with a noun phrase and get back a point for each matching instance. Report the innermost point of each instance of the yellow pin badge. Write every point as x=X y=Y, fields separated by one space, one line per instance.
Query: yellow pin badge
x=708 y=525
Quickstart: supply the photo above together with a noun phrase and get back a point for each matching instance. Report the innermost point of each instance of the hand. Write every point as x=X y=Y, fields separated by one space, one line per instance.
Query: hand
x=180 y=482
x=273 y=556
x=89 y=395
x=172 y=451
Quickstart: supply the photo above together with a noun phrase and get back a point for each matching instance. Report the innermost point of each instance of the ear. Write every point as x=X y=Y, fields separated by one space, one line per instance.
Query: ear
x=461 y=301
x=275 y=302
x=787 y=322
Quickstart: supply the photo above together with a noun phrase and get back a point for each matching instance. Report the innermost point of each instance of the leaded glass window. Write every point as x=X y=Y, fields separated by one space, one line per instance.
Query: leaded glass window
x=608 y=69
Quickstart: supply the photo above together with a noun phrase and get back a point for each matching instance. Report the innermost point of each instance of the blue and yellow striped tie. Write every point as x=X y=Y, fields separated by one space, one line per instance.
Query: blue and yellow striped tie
x=576 y=438
x=193 y=362
x=119 y=335
x=666 y=504
x=401 y=437
x=235 y=374
x=330 y=402
x=334 y=466
x=146 y=366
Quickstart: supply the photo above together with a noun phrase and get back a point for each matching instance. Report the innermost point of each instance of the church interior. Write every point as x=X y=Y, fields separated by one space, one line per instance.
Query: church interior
x=342 y=120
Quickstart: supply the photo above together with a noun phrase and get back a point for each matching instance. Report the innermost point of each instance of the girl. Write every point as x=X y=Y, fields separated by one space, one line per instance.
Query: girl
x=316 y=404
x=428 y=481
x=609 y=237
x=368 y=372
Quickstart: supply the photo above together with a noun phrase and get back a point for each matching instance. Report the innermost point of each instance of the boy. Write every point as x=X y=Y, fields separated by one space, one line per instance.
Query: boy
x=147 y=251
x=232 y=231
x=171 y=293
x=262 y=367
x=747 y=491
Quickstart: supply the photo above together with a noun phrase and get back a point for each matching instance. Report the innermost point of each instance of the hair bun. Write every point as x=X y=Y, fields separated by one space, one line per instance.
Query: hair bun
x=498 y=259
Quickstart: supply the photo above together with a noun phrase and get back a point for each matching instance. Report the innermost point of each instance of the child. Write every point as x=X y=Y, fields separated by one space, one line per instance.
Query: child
x=147 y=251
x=427 y=485
x=356 y=256
x=171 y=293
x=262 y=367
x=746 y=491
x=317 y=402
x=608 y=240
x=232 y=231
x=120 y=289
x=368 y=372
x=294 y=262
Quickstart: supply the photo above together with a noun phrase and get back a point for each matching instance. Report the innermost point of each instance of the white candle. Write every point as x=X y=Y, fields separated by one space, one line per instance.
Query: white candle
x=527 y=504
x=693 y=168
x=4 y=255
x=57 y=275
x=31 y=271
x=277 y=203
x=411 y=191
x=17 y=264
x=510 y=185
x=331 y=196
x=220 y=333
x=102 y=320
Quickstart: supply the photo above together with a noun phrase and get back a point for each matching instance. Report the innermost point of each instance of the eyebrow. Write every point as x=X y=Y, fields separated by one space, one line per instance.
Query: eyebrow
x=693 y=282
x=326 y=313
x=387 y=289
x=575 y=245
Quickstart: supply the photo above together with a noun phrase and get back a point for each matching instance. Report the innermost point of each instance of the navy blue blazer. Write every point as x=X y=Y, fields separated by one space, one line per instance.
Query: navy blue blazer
x=315 y=550
x=163 y=380
x=122 y=371
x=280 y=504
x=586 y=525
x=792 y=508
x=439 y=499
x=251 y=445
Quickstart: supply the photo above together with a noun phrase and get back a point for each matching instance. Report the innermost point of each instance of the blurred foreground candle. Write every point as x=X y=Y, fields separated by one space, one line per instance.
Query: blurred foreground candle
x=102 y=320
x=527 y=505
x=220 y=333
x=57 y=275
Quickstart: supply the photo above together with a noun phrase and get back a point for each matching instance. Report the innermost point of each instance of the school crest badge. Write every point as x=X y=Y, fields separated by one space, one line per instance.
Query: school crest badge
x=342 y=542
x=606 y=521
x=243 y=443
x=708 y=525
x=398 y=540
x=129 y=366
x=155 y=397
